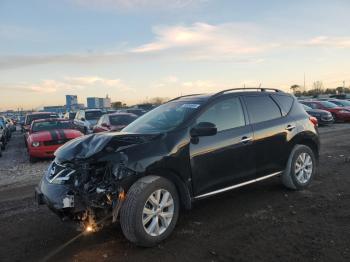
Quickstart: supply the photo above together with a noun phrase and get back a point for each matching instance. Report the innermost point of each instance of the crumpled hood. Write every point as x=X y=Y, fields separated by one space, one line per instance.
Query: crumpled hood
x=88 y=146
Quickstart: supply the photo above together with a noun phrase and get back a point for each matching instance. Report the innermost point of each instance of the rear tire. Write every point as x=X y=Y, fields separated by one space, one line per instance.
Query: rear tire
x=150 y=211
x=3 y=146
x=334 y=118
x=301 y=168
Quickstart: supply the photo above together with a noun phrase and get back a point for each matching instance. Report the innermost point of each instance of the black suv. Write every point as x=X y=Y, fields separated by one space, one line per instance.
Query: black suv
x=187 y=149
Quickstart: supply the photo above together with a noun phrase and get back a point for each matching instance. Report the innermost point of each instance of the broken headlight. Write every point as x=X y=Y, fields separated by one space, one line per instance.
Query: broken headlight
x=120 y=171
x=58 y=174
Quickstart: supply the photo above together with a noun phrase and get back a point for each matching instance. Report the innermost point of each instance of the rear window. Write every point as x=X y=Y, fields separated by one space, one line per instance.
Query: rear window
x=285 y=102
x=341 y=103
x=30 y=118
x=92 y=115
x=262 y=108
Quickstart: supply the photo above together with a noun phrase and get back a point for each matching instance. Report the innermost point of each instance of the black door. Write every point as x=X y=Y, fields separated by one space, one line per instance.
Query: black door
x=228 y=157
x=273 y=128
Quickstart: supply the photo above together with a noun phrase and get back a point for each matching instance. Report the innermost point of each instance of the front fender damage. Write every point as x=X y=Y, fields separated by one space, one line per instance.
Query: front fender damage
x=85 y=182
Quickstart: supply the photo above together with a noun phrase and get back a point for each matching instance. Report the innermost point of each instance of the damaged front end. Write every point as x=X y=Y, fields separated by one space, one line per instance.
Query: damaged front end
x=84 y=182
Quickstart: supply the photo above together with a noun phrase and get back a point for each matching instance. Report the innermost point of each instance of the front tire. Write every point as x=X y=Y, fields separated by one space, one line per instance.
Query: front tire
x=301 y=168
x=3 y=145
x=32 y=159
x=150 y=211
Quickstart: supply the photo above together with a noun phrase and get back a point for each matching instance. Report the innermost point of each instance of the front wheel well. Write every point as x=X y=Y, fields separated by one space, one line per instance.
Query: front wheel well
x=181 y=187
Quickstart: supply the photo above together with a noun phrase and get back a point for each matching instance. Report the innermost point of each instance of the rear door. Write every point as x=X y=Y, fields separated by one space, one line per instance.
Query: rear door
x=226 y=158
x=273 y=128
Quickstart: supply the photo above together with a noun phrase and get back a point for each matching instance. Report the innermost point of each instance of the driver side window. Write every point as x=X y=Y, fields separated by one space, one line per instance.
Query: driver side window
x=225 y=114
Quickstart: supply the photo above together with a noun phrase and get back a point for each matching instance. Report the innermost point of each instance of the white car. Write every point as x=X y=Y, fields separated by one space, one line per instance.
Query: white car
x=86 y=119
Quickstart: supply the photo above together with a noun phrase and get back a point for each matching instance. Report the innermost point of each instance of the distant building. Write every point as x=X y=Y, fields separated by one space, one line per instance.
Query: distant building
x=93 y=102
x=98 y=102
x=71 y=102
x=107 y=103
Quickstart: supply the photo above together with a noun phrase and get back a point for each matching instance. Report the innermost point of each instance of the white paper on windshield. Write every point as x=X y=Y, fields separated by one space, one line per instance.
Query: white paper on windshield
x=190 y=105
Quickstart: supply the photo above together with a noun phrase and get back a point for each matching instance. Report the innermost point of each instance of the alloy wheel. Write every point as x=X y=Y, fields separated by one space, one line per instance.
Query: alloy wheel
x=303 y=168
x=158 y=212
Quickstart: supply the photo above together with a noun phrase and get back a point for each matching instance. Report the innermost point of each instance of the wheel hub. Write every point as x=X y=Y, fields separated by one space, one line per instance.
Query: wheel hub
x=303 y=168
x=158 y=212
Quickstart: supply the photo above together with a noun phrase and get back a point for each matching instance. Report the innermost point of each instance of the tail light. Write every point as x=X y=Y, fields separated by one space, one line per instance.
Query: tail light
x=313 y=120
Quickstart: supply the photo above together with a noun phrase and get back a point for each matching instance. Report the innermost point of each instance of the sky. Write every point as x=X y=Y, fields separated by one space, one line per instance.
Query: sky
x=134 y=50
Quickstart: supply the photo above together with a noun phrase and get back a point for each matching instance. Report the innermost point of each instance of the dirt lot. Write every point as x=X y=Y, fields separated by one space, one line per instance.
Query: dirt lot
x=260 y=222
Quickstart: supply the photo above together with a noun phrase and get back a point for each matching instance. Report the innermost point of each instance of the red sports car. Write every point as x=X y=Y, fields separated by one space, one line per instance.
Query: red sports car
x=46 y=135
x=114 y=122
x=35 y=116
x=339 y=113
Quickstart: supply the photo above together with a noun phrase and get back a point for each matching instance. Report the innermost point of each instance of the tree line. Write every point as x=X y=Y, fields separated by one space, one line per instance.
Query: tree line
x=318 y=89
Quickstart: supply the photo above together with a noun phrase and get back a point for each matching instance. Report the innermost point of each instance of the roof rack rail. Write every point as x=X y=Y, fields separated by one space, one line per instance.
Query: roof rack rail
x=176 y=98
x=261 y=89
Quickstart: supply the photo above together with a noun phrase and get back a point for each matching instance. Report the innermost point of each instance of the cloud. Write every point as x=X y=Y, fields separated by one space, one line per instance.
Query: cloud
x=202 y=41
x=14 y=32
x=93 y=80
x=16 y=61
x=45 y=86
x=329 y=41
x=137 y=4
x=68 y=84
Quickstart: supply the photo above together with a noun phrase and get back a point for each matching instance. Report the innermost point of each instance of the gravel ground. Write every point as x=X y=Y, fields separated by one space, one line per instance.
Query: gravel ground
x=260 y=222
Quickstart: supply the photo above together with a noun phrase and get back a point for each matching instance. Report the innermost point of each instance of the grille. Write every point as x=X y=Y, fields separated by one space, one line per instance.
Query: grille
x=55 y=142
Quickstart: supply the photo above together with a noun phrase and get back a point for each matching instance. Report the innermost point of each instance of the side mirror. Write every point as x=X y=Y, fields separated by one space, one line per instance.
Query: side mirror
x=203 y=129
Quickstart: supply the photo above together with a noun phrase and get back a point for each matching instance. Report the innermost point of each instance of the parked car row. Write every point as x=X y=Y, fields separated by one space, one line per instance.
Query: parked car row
x=45 y=132
x=95 y=120
x=328 y=111
x=7 y=126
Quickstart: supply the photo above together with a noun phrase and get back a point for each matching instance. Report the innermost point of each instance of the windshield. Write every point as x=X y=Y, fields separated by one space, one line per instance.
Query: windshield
x=117 y=120
x=341 y=103
x=328 y=104
x=30 y=118
x=306 y=107
x=163 y=118
x=50 y=125
x=93 y=115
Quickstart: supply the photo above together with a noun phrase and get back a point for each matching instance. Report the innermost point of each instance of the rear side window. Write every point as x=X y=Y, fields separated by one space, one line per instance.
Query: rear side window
x=225 y=114
x=262 y=108
x=285 y=102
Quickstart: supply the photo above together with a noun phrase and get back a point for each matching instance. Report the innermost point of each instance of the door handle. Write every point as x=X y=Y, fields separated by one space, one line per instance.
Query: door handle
x=290 y=127
x=246 y=139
